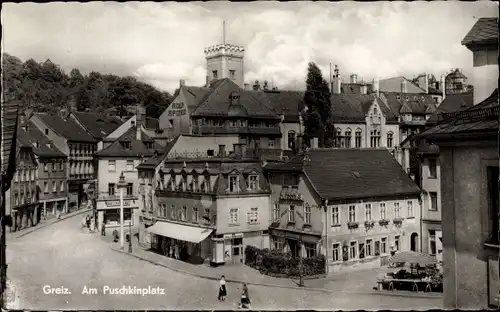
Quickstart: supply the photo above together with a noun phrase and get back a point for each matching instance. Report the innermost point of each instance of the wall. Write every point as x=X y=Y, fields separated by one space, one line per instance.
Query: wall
x=51 y=176
x=285 y=127
x=463 y=204
x=236 y=63
x=105 y=176
x=178 y=112
x=431 y=185
x=193 y=144
x=172 y=199
x=244 y=204
x=485 y=73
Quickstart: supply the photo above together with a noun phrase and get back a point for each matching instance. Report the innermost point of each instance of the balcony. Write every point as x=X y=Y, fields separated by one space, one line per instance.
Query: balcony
x=116 y=197
x=290 y=193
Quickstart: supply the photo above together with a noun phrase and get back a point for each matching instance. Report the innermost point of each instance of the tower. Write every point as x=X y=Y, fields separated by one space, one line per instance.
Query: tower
x=225 y=61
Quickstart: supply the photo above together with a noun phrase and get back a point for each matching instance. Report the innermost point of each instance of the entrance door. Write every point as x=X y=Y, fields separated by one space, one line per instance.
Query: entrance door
x=237 y=249
x=414 y=242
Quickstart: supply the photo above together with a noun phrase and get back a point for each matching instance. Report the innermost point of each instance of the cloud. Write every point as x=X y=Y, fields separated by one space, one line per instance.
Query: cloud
x=161 y=43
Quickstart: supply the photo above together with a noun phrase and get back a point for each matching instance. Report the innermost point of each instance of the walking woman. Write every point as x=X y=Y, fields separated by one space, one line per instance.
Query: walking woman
x=222 y=289
x=245 y=298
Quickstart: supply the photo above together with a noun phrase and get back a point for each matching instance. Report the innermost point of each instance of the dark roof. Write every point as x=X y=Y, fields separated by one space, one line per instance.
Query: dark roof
x=154 y=161
x=283 y=102
x=354 y=107
x=9 y=115
x=98 y=125
x=416 y=103
x=484 y=31
x=455 y=74
x=454 y=102
x=489 y=102
x=193 y=96
x=137 y=148
x=66 y=127
x=338 y=174
x=30 y=135
x=151 y=123
x=394 y=85
x=355 y=88
x=217 y=103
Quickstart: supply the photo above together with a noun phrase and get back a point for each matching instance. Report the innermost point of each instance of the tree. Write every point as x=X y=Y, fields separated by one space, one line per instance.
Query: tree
x=318 y=122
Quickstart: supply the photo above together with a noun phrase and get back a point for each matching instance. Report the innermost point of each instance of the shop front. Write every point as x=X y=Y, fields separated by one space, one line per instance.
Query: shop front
x=290 y=241
x=108 y=212
x=230 y=248
x=180 y=241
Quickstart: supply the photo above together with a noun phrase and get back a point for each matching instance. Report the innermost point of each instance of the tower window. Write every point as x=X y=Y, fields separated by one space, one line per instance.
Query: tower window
x=232 y=73
x=214 y=74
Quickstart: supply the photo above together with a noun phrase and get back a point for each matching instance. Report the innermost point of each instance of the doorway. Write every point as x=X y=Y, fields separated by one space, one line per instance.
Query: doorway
x=237 y=249
x=414 y=242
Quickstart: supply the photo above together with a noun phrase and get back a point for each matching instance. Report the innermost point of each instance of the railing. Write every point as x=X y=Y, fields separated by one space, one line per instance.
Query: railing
x=106 y=196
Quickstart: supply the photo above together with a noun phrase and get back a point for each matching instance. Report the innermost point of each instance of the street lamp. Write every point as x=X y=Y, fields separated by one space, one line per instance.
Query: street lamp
x=121 y=187
x=130 y=233
x=301 y=267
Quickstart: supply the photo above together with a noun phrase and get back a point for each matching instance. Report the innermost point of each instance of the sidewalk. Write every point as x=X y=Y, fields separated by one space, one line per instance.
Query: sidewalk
x=239 y=273
x=45 y=223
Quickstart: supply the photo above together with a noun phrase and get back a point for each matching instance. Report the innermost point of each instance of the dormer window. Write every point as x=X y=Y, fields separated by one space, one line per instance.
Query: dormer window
x=407 y=98
x=132 y=123
x=398 y=97
x=374 y=110
x=210 y=153
x=149 y=145
x=126 y=145
x=234 y=97
x=233 y=123
x=253 y=182
x=233 y=183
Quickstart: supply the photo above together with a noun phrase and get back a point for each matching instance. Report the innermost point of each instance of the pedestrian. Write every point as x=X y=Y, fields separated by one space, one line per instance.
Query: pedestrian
x=116 y=236
x=171 y=251
x=245 y=298
x=222 y=289
x=176 y=251
x=103 y=229
x=88 y=222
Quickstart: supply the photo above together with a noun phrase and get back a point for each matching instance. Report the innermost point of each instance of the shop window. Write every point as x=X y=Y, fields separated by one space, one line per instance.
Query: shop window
x=361 y=250
x=368 y=248
x=336 y=252
x=352 y=250
x=310 y=250
x=377 y=248
x=383 y=245
x=432 y=242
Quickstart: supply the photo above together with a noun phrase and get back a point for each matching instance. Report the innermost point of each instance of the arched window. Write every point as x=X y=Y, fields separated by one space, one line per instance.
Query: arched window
x=357 y=138
x=291 y=139
x=347 y=137
x=390 y=139
x=339 y=137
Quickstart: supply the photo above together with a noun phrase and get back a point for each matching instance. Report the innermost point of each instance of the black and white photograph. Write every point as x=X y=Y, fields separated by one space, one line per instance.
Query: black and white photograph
x=258 y=155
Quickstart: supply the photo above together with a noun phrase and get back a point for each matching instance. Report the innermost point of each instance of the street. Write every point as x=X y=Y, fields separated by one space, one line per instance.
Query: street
x=62 y=256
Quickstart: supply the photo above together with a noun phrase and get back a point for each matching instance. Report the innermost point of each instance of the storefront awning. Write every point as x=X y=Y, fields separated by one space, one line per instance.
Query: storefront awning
x=186 y=233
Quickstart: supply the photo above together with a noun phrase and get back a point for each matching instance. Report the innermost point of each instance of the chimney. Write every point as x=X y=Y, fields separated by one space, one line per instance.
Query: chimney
x=443 y=87
x=246 y=86
x=265 y=87
x=222 y=150
x=237 y=149
x=336 y=81
x=182 y=83
x=354 y=78
x=314 y=143
x=364 y=89
x=426 y=83
x=403 y=86
x=376 y=88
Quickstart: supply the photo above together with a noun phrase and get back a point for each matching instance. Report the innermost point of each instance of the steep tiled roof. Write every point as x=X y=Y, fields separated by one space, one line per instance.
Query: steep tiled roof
x=9 y=113
x=485 y=31
x=98 y=125
x=154 y=161
x=394 y=85
x=137 y=148
x=217 y=102
x=354 y=88
x=193 y=96
x=455 y=74
x=354 y=107
x=454 y=102
x=489 y=102
x=289 y=103
x=417 y=103
x=66 y=127
x=338 y=174
x=41 y=145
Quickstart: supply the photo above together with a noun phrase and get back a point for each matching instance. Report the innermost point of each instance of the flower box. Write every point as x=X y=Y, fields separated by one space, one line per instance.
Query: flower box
x=383 y=222
x=397 y=221
x=369 y=224
x=352 y=225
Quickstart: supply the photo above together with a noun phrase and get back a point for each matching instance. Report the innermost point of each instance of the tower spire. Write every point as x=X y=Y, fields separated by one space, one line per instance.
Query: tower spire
x=223 y=32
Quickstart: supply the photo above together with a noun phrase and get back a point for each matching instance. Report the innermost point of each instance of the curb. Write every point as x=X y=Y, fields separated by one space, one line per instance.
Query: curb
x=402 y=294
x=36 y=228
x=216 y=279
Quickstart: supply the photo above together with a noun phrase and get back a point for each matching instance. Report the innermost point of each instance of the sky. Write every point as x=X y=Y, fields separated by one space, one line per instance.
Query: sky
x=161 y=43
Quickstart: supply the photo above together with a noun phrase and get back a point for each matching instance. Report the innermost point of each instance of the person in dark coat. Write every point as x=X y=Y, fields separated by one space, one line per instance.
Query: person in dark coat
x=245 y=298
x=222 y=289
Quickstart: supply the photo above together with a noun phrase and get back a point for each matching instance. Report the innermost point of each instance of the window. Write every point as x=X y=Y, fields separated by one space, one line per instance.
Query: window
x=382 y=211
x=336 y=252
x=352 y=250
x=54 y=187
x=232 y=73
x=130 y=189
x=46 y=167
x=377 y=248
x=368 y=247
x=233 y=183
x=130 y=165
x=432 y=168
x=195 y=214
x=45 y=187
x=61 y=165
x=389 y=139
x=338 y=138
x=335 y=216
x=410 y=209
x=307 y=214
x=396 y=210
x=271 y=143
x=184 y=213
x=291 y=213
x=278 y=243
x=46 y=131
x=173 y=215
x=493 y=211
x=383 y=245
x=374 y=138
x=253 y=216
x=111 y=189
x=432 y=242
x=214 y=74
x=276 y=212
x=54 y=168
x=16 y=176
x=61 y=186
x=357 y=138
x=164 y=210
x=434 y=201
x=233 y=216
x=397 y=245
x=111 y=165
x=232 y=123
x=368 y=212
x=291 y=139
x=253 y=182
x=352 y=213
x=361 y=250
x=347 y=138
x=310 y=250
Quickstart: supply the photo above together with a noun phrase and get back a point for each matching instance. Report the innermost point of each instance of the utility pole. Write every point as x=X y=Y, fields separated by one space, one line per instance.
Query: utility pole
x=301 y=264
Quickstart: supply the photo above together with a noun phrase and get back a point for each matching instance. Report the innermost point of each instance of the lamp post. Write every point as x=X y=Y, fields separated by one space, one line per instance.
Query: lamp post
x=121 y=187
x=130 y=233
x=301 y=267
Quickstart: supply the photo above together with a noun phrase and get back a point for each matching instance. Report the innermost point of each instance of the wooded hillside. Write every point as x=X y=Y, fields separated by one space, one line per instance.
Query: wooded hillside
x=47 y=88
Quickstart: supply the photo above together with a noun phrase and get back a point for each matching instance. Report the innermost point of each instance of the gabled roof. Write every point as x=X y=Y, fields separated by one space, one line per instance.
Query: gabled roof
x=193 y=96
x=394 y=85
x=282 y=102
x=416 y=103
x=454 y=102
x=98 y=125
x=154 y=161
x=354 y=107
x=137 y=148
x=217 y=102
x=341 y=174
x=30 y=135
x=484 y=31
x=66 y=127
x=489 y=102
